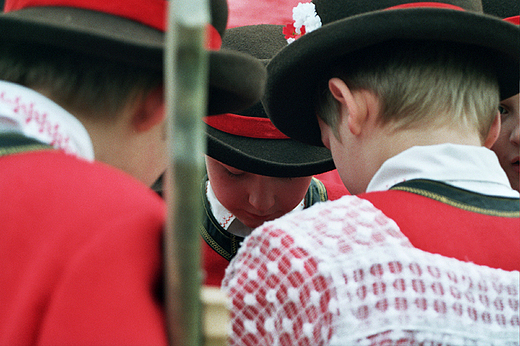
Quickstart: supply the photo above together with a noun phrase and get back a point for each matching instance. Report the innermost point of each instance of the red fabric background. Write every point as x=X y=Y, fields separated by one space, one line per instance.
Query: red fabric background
x=248 y=12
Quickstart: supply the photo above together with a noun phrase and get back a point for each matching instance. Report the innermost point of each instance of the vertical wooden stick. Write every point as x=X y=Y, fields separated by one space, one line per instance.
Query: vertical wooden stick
x=186 y=70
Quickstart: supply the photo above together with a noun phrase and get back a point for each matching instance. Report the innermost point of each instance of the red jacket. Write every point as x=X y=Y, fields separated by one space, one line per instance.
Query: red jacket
x=456 y=223
x=81 y=254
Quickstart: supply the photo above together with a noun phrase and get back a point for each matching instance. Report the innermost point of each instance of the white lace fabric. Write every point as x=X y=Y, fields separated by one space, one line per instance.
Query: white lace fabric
x=342 y=273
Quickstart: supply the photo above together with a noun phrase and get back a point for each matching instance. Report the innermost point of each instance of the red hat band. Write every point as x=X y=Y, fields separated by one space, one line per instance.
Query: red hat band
x=239 y=125
x=213 y=38
x=514 y=20
x=151 y=12
x=426 y=4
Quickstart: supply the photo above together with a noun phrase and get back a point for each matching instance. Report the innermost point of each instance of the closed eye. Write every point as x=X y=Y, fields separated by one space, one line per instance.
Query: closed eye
x=233 y=173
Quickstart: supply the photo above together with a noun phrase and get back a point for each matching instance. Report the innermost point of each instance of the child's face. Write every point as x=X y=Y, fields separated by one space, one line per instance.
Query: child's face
x=252 y=198
x=507 y=145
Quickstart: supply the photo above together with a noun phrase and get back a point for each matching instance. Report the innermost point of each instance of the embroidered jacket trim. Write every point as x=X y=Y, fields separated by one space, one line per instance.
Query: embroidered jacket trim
x=14 y=143
x=462 y=199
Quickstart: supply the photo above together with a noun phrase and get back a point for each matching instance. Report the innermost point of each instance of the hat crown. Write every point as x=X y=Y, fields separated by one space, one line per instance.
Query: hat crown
x=332 y=10
x=262 y=41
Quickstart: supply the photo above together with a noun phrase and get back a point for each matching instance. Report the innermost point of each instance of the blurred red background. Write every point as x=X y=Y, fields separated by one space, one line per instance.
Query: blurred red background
x=247 y=12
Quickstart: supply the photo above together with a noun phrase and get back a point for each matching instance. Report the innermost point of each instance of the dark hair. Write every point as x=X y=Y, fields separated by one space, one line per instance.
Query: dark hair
x=418 y=82
x=75 y=81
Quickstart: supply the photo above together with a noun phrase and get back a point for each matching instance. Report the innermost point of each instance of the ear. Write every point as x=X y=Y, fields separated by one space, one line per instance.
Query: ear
x=350 y=106
x=494 y=132
x=151 y=111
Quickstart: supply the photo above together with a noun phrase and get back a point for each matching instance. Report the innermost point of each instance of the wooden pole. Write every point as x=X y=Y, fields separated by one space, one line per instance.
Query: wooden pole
x=186 y=71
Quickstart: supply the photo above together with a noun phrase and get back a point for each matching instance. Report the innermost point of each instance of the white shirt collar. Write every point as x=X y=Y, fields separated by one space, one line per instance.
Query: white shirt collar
x=25 y=111
x=467 y=167
x=223 y=216
x=227 y=220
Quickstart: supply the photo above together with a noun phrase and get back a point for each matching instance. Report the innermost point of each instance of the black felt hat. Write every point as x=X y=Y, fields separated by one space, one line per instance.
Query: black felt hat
x=352 y=25
x=247 y=140
x=132 y=32
x=501 y=8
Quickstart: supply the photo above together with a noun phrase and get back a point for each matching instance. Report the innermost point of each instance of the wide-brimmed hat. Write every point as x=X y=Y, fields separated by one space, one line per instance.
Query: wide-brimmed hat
x=132 y=32
x=352 y=25
x=247 y=140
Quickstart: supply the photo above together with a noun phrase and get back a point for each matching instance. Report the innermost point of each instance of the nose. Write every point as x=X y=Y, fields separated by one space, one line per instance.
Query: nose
x=515 y=135
x=262 y=195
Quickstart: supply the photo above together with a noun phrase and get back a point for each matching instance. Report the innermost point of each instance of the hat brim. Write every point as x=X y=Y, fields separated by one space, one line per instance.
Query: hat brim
x=119 y=39
x=297 y=69
x=269 y=157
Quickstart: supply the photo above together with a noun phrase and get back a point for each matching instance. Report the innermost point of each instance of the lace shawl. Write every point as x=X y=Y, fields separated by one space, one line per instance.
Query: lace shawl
x=342 y=273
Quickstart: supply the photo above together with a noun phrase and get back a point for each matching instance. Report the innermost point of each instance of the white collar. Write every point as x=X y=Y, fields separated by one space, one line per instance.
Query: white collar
x=227 y=220
x=25 y=111
x=223 y=216
x=468 y=167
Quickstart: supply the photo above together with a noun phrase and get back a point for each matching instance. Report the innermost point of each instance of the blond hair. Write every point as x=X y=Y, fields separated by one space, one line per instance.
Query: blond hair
x=420 y=83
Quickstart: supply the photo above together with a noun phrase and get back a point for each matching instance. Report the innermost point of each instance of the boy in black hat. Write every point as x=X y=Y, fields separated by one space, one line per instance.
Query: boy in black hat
x=508 y=143
x=405 y=95
x=507 y=146
x=255 y=172
x=82 y=135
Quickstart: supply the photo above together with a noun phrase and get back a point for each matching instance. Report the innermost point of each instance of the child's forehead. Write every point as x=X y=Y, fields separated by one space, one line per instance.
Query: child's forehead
x=211 y=161
x=512 y=103
x=512 y=100
x=233 y=169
